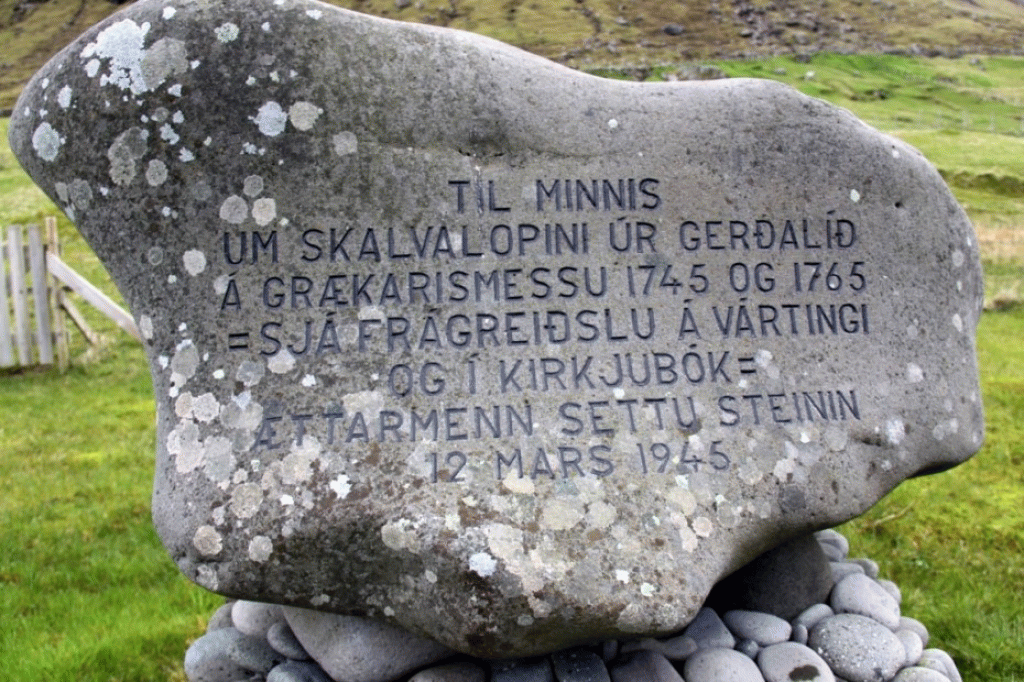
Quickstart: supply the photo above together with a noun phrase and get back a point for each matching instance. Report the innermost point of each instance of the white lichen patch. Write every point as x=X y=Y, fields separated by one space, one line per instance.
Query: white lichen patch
x=915 y=374
x=125 y=153
x=600 y=515
x=184 y=363
x=622 y=576
x=483 y=564
x=399 y=535
x=345 y=143
x=308 y=381
x=958 y=322
x=246 y=500
x=303 y=115
x=64 y=97
x=194 y=262
x=341 y=486
x=121 y=43
x=250 y=373
x=264 y=211
x=156 y=173
x=854 y=196
x=205 y=408
x=281 y=362
x=207 y=541
x=260 y=548
x=226 y=32
x=314 y=13
x=183 y=443
x=297 y=465
x=146 y=327
x=234 y=210
x=958 y=258
x=895 y=431
x=206 y=576
x=271 y=119
x=165 y=59
x=561 y=514
x=253 y=186
x=703 y=527
x=46 y=142
x=168 y=12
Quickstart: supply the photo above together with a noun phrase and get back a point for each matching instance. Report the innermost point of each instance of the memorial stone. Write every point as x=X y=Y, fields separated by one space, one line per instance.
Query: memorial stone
x=450 y=336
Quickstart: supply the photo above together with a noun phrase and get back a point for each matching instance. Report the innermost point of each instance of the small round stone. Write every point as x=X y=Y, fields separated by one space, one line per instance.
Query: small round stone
x=255 y=618
x=284 y=641
x=939 y=660
x=861 y=595
x=835 y=545
x=912 y=643
x=917 y=674
x=748 y=648
x=298 y=671
x=207 y=659
x=917 y=626
x=578 y=665
x=841 y=569
x=893 y=590
x=763 y=628
x=221 y=618
x=451 y=672
x=870 y=566
x=721 y=665
x=790 y=661
x=708 y=631
x=813 y=615
x=644 y=665
x=800 y=634
x=858 y=648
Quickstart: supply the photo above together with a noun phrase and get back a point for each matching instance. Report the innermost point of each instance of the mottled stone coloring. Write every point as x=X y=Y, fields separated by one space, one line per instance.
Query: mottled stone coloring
x=451 y=336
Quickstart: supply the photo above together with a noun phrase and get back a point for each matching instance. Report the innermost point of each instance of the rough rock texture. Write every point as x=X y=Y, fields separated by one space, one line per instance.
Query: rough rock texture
x=447 y=335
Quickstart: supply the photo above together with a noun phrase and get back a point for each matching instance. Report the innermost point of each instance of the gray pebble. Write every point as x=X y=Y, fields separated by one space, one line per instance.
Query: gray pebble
x=763 y=628
x=284 y=641
x=255 y=618
x=523 y=670
x=207 y=660
x=673 y=29
x=360 y=649
x=452 y=672
x=893 y=590
x=609 y=650
x=939 y=660
x=748 y=648
x=858 y=648
x=298 y=671
x=835 y=545
x=578 y=665
x=841 y=569
x=718 y=665
x=644 y=666
x=253 y=653
x=870 y=567
x=221 y=618
x=861 y=595
x=674 y=649
x=708 y=631
x=813 y=615
x=913 y=645
x=800 y=634
x=917 y=626
x=916 y=674
x=790 y=661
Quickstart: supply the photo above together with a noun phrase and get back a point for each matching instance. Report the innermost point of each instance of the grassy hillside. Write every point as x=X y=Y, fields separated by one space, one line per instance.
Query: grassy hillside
x=600 y=32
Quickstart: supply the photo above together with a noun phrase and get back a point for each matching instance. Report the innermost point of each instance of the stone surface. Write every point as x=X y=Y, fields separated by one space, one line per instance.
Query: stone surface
x=783 y=581
x=708 y=631
x=858 y=648
x=361 y=650
x=284 y=641
x=643 y=665
x=452 y=672
x=447 y=335
x=857 y=593
x=763 y=628
x=720 y=665
x=790 y=661
x=297 y=671
x=578 y=665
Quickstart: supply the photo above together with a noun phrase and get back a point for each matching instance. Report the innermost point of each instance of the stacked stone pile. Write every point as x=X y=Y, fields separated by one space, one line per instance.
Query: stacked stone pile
x=857 y=635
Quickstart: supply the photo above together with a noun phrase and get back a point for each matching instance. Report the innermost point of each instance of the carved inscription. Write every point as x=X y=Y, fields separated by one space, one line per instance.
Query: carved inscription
x=576 y=330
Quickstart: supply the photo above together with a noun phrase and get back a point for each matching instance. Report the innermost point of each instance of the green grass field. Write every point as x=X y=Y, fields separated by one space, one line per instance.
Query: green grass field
x=88 y=594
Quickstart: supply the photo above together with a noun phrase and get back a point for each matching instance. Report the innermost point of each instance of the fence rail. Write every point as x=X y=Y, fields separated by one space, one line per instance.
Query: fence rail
x=35 y=284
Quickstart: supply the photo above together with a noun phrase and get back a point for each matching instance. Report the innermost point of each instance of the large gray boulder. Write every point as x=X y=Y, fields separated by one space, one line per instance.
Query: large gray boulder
x=450 y=336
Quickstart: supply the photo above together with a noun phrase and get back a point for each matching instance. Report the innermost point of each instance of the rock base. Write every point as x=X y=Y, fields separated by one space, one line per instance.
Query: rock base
x=856 y=633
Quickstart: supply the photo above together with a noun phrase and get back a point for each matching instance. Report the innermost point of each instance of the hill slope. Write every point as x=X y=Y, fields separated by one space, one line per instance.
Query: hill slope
x=586 y=33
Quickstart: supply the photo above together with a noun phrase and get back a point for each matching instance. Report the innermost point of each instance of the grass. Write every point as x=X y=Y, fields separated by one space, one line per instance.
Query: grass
x=87 y=592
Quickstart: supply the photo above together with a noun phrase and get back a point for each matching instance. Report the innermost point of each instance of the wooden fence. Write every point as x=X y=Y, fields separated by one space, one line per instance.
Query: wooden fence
x=35 y=301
